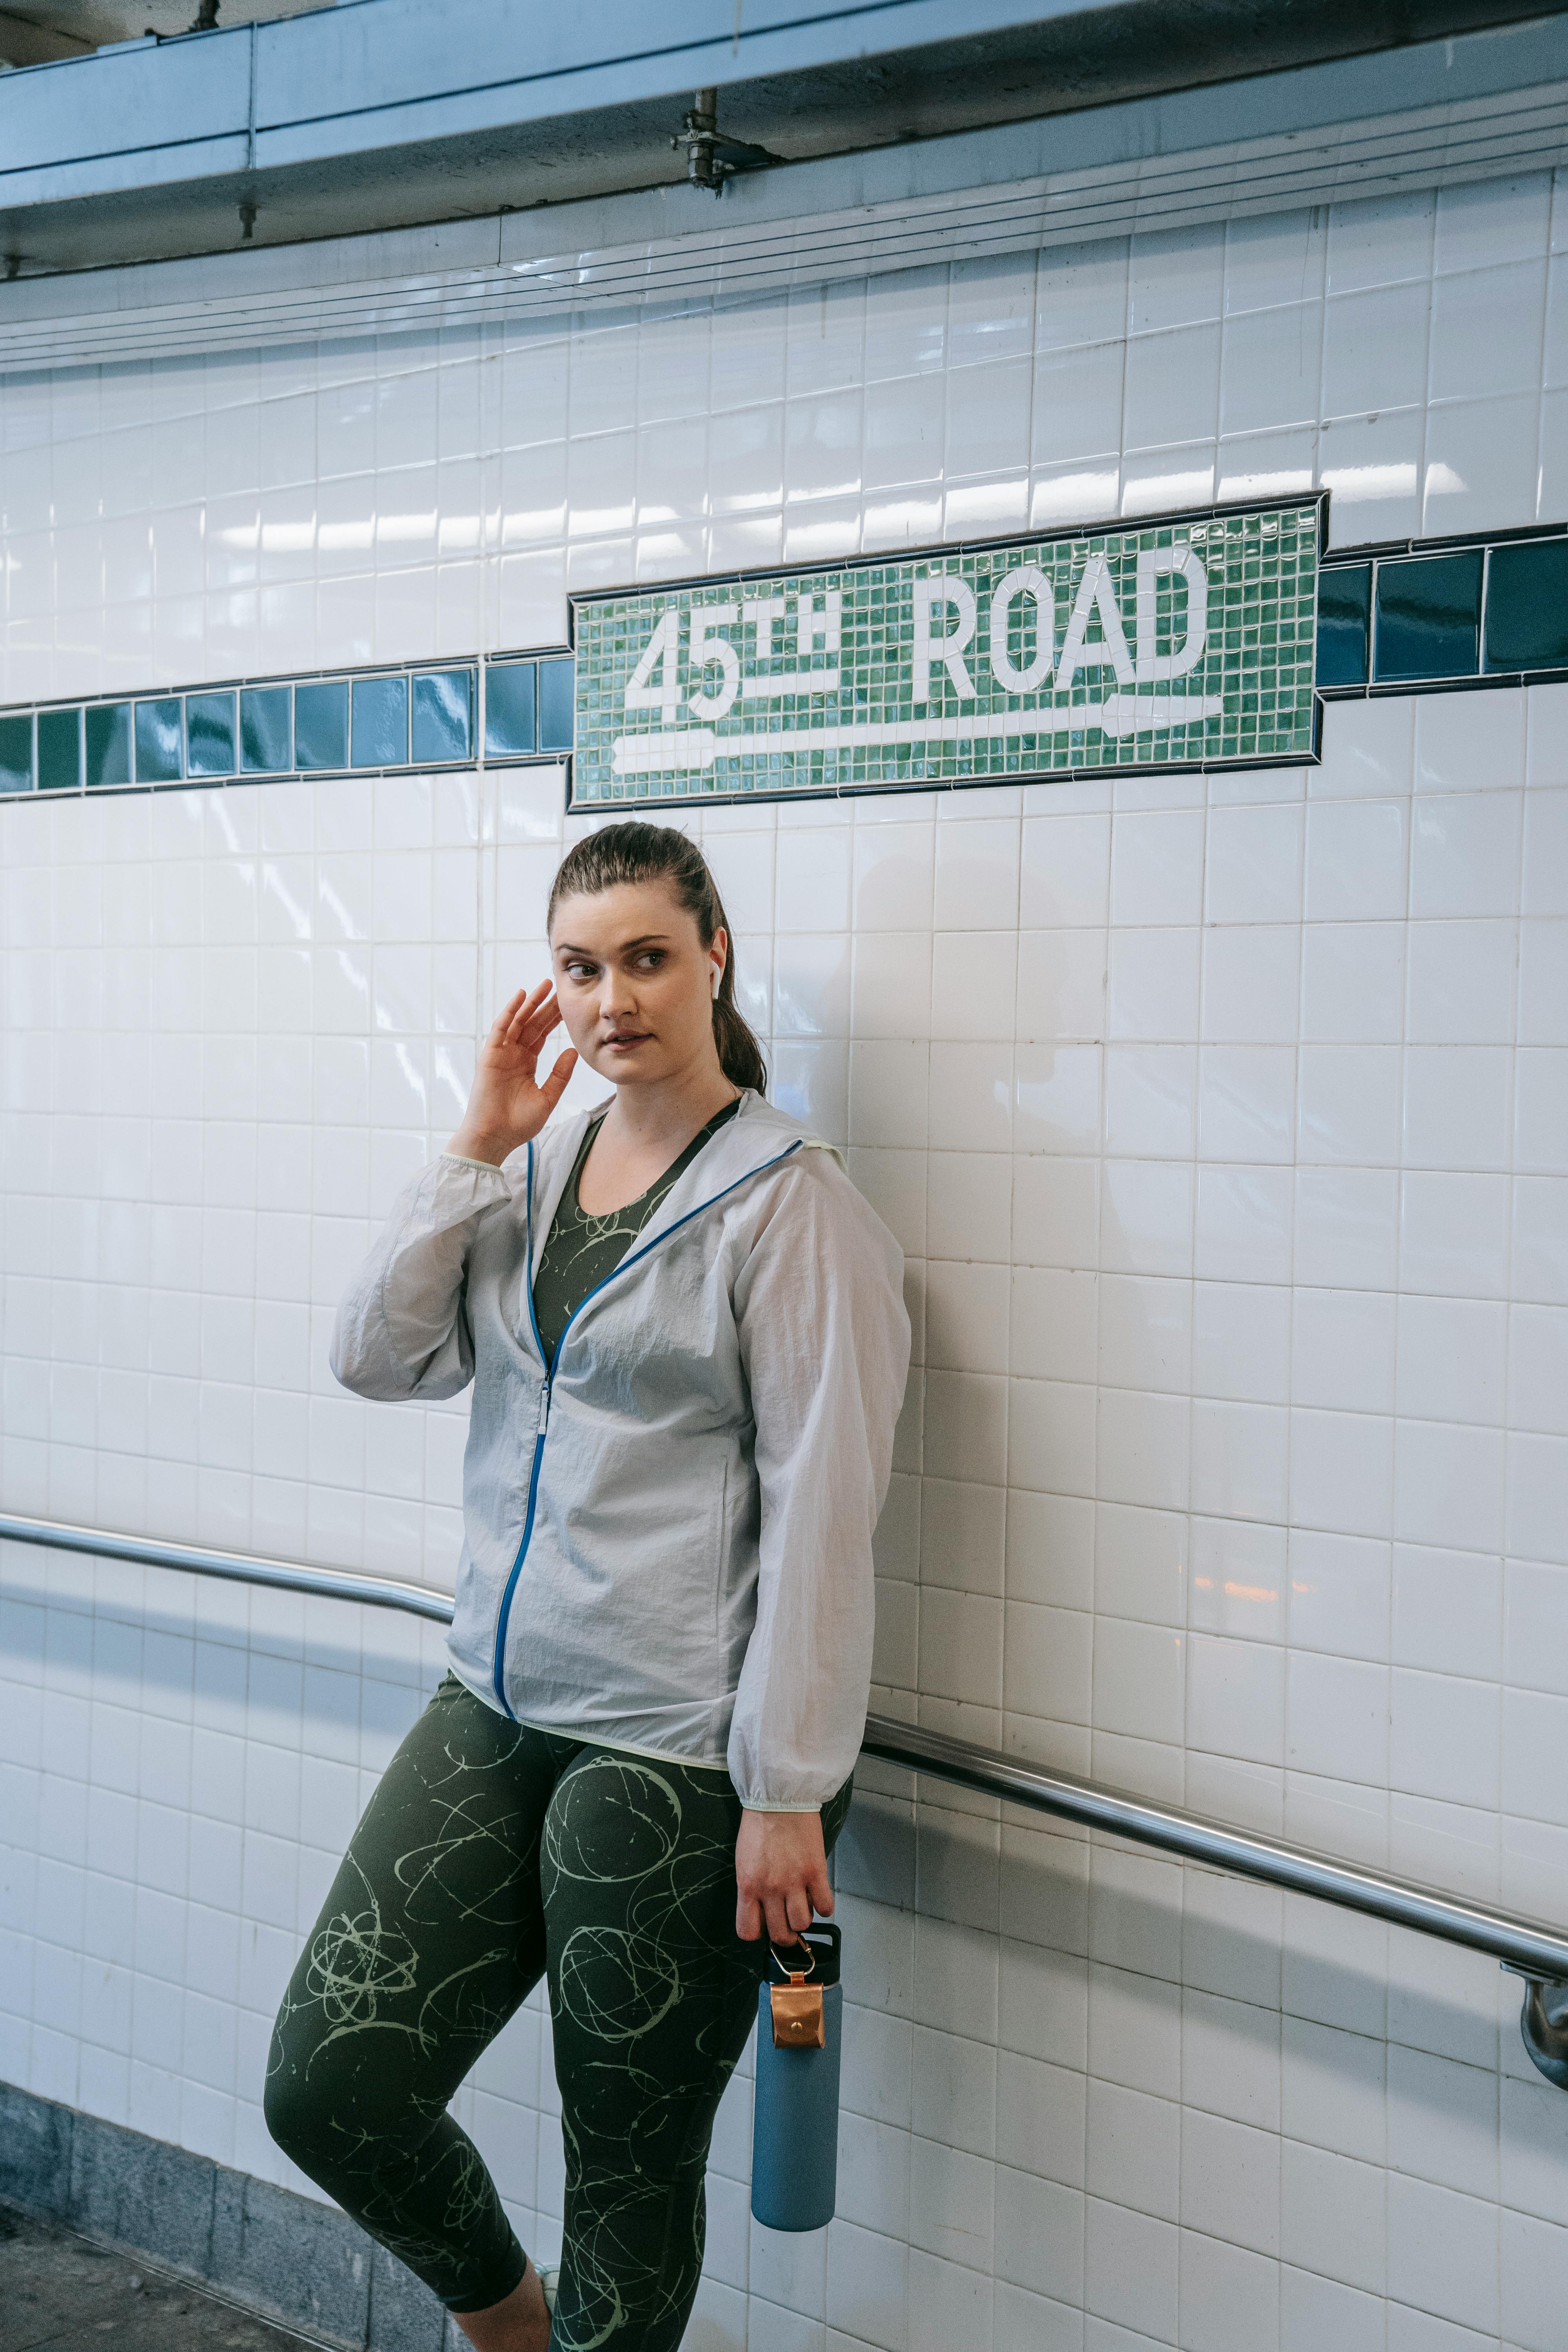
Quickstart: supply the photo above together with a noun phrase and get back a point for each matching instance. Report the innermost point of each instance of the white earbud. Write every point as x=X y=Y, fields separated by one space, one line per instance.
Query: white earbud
x=717 y=976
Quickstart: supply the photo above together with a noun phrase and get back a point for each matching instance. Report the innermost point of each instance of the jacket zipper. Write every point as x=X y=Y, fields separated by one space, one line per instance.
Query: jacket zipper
x=504 y=1612
x=496 y=1672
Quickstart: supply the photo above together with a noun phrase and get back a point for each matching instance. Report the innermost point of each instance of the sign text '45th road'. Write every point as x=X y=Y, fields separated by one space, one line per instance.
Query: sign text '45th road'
x=1186 y=643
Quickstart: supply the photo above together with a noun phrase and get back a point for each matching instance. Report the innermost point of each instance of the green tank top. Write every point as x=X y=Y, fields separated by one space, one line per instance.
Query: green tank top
x=583 y=1251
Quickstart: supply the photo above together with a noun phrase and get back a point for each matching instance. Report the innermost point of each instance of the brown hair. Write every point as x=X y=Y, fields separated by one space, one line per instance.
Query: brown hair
x=635 y=852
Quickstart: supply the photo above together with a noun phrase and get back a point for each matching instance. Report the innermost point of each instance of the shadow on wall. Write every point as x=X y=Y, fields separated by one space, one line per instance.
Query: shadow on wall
x=951 y=1862
x=1165 y=1967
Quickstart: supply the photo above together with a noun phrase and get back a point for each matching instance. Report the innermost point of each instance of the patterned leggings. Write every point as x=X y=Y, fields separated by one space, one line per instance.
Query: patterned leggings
x=489 y=1855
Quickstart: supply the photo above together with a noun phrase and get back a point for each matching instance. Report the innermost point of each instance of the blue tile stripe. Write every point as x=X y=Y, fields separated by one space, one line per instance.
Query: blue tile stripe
x=1419 y=615
x=276 y=730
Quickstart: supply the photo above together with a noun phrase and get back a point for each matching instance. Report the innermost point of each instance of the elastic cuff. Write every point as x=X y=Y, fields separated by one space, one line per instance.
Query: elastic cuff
x=491 y=1168
x=764 y=1805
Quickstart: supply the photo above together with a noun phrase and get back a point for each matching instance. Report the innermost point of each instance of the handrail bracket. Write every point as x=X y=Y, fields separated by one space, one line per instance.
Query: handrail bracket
x=1544 y=2023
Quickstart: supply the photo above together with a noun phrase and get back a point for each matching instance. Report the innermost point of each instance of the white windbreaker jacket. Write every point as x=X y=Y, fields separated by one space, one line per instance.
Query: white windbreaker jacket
x=667 y=1540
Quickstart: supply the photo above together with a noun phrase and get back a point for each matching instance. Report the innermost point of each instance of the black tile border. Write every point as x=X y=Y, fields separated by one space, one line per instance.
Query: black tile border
x=265 y=2249
x=1373 y=554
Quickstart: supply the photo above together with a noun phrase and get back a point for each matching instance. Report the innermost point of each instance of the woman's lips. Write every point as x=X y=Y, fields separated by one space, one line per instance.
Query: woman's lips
x=625 y=1038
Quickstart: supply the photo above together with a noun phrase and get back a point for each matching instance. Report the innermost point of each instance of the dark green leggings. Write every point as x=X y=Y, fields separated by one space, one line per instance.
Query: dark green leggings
x=489 y=1855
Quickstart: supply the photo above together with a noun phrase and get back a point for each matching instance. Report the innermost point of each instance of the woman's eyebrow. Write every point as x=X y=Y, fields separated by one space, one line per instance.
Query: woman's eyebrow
x=643 y=940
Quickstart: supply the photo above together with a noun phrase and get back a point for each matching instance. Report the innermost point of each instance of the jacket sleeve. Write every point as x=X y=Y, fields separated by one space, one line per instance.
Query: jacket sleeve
x=825 y=1342
x=402 y=1328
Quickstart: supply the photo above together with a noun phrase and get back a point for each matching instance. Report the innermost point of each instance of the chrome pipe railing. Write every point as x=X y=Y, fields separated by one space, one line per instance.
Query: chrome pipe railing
x=1528 y=1947
x=238 y=1567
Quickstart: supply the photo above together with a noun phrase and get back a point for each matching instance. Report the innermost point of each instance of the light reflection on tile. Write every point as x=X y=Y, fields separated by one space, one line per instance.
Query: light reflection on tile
x=1224 y=1144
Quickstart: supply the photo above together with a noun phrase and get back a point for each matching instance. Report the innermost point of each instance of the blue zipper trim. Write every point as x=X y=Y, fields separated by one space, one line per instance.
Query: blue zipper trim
x=528 y=1286
x=496 y=1675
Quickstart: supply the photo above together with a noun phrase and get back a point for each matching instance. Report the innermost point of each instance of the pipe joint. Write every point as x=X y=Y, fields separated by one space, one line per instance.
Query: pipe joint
x=711 y=158
x=1544 y=2023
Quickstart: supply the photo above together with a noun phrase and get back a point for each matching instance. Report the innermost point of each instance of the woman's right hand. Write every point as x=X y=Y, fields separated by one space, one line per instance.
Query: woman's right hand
x=507 y=1103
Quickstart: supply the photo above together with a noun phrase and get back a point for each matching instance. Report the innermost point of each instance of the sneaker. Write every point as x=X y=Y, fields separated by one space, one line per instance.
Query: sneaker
x=550 y=2281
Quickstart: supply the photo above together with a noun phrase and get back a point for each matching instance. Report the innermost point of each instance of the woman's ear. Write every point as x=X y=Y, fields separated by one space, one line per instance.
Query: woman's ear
x=717 y=968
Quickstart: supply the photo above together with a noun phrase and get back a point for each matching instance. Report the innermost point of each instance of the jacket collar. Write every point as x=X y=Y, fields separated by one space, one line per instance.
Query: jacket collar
x=758 y=1135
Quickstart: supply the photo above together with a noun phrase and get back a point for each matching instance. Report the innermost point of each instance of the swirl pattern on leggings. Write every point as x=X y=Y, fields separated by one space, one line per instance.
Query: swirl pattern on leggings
x=491 y=1855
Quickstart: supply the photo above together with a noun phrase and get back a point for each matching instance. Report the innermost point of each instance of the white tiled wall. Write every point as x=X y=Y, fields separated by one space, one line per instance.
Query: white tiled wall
x=1225 y=1123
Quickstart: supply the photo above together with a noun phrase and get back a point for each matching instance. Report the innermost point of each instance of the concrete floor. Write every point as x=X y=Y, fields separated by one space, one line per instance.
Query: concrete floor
x=62 y=2292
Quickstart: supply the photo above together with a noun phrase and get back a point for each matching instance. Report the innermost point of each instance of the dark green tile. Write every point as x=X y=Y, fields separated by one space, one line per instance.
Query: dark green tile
x=1428 y=617
x=106 y=729
x=443 y=716
x=16 y=753
x=209 y=734
x=305 y=2262
x=265 y=749
x=59 y=751
x=380 y=723
x=1345 y=620
x=140 y=2191
x=404 y=2316
x=557 y=692
x=511 y=728
x=1527 y=606
x=158 y=745
x=35 y=2146
x=321 y=724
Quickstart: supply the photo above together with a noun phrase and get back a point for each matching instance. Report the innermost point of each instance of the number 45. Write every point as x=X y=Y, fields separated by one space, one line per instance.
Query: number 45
x=662 y=655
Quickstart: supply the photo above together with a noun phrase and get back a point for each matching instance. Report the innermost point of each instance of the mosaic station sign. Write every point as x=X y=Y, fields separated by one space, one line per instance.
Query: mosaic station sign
x=1186 y=643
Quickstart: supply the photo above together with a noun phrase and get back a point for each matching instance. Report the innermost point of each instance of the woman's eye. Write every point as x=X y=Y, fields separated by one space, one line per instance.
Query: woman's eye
x=579 y=971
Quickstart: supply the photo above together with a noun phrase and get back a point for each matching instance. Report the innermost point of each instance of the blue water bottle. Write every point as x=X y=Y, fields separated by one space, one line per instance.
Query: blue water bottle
x=795 y=2119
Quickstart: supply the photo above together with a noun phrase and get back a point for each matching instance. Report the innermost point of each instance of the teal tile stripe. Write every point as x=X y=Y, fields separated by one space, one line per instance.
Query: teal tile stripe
x=1384 y=620
x=424 y=716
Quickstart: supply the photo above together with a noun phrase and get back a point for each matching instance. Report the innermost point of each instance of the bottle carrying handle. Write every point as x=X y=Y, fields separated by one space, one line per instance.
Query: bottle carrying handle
x=799 y=2023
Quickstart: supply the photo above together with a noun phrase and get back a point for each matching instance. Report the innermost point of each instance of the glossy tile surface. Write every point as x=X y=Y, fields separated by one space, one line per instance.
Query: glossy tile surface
x=1222 y=1120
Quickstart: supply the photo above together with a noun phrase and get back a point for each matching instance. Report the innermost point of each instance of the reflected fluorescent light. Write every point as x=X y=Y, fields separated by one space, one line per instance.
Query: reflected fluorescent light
x=1157 y=491
x=1072 y=497
x=1442 y=479
x=1356 y=482
x=1295 y=483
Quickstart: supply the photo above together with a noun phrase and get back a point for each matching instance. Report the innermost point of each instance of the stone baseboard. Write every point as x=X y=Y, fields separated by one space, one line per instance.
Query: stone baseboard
x=283 y=2257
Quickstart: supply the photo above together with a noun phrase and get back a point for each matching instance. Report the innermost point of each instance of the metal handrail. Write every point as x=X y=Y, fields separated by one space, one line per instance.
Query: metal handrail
x=1529 y=1947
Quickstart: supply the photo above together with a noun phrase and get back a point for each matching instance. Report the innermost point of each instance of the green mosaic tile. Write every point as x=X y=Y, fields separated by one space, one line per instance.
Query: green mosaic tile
x=1185 y=644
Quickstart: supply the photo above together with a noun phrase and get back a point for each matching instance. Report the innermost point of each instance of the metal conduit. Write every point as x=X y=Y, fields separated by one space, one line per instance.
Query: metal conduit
x=1527 y=1947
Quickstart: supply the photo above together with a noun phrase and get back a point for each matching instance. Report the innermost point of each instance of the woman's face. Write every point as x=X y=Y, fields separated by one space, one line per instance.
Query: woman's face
x=634 y=983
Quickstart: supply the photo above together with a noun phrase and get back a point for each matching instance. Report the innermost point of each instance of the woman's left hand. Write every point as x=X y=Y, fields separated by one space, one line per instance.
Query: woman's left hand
x=780 y=1873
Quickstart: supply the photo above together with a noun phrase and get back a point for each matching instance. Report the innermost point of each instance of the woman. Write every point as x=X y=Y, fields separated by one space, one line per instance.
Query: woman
x=688 y=1345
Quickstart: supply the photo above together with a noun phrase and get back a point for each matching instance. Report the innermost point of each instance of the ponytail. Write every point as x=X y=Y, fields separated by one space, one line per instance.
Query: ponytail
x=740 y=1056
x=635 y=852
